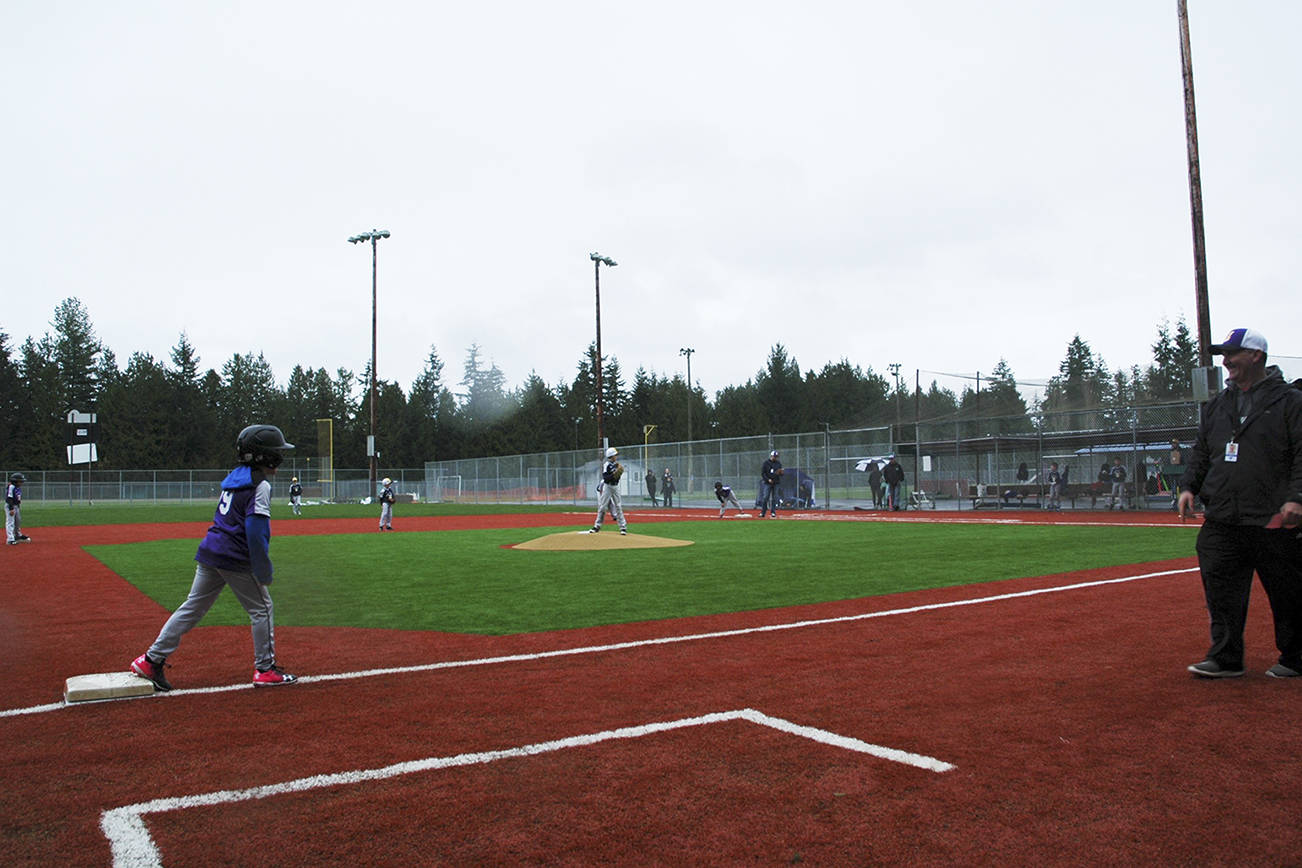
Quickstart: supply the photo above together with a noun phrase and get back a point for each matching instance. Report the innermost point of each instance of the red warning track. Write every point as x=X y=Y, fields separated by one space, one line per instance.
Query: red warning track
x=1074 y=733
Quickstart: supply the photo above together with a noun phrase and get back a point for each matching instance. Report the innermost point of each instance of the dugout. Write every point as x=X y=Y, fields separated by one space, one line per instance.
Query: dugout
x=982 y=471
x=795 y=490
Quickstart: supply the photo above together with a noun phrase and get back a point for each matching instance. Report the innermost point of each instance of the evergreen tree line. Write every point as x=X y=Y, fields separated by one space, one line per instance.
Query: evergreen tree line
x=176 y=414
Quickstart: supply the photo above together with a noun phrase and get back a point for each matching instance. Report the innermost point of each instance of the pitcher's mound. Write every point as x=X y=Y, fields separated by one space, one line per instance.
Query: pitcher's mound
x=583 y=541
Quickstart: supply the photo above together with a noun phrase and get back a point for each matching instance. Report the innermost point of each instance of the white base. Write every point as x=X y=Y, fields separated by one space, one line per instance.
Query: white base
x=106 y=685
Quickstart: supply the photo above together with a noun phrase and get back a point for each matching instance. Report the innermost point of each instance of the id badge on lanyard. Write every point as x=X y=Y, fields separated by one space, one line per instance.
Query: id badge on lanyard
x=1231 y=452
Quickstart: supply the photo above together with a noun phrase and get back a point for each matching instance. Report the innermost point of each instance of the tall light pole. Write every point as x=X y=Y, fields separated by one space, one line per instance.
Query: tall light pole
x=374 y=237
x=895 y=370
x=597 y=261
x=1195 y=191
x=687 y=351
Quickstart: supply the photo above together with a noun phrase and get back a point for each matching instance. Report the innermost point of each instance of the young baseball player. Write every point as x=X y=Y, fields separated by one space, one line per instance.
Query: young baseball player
x=608 y=492
x=1055 y=486
x=296 y=496
x=386 y=504
x=235 y=553
x=14 y=511
x=725 y=495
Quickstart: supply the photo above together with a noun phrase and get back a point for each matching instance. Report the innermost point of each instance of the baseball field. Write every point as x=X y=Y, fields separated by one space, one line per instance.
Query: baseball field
x=829 y=688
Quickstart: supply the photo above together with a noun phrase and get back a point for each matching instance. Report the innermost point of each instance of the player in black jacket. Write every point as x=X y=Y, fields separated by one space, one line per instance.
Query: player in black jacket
x=1246 y=466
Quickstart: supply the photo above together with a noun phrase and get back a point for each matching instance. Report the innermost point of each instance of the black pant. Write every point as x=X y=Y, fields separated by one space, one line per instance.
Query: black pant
x=1227 y=555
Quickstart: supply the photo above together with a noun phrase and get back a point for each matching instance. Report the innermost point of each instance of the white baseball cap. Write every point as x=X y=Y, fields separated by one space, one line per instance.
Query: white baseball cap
x=1240 y=339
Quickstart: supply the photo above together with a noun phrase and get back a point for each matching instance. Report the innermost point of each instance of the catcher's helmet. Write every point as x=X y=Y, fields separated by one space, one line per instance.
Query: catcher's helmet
x=262 y=445
x=612 y=452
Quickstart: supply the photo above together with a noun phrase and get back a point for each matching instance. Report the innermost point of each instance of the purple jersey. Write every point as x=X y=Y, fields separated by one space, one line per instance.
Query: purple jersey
x=241 y=526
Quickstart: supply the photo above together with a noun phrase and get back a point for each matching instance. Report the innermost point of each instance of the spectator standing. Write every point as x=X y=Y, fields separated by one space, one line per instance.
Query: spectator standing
x=651 y=486
x=667 y=487
x=1174 y=470
x=1246 y=467
x=893 y=474
x=875 y=483
x=770 y=476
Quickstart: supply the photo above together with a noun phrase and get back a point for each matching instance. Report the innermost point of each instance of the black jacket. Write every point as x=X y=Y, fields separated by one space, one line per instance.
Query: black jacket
x=1268 y=471
x=893 y=473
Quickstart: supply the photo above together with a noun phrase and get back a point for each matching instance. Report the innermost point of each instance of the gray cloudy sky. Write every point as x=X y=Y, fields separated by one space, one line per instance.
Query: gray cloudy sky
x=936 y=184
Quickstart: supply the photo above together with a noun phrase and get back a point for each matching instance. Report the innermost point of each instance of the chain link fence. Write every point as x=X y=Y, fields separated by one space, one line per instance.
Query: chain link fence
x=960 y=464
x=955 y=464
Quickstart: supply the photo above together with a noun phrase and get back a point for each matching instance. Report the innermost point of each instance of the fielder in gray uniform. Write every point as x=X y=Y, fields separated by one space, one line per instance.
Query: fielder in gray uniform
x=608 y=492
x=387 y=498
x=726 y=497
x=14 y=511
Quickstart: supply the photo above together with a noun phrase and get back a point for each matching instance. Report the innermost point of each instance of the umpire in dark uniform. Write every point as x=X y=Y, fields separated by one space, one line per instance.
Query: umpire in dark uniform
x=1246 y=466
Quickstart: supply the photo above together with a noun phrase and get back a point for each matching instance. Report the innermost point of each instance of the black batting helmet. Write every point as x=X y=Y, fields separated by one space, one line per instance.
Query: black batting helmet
x=17 y=479
x=262 y=446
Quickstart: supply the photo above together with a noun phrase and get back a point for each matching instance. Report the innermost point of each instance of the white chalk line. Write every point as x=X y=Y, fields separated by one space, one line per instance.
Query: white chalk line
x=623 y=646
x=133 y=847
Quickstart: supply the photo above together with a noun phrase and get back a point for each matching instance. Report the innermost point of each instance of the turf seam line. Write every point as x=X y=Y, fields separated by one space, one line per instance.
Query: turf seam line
x=639 y=643
x=133 y=847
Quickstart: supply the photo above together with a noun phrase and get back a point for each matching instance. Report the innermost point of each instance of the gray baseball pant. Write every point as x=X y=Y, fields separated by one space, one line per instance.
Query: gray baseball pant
x=609 y=497
x=208 y=583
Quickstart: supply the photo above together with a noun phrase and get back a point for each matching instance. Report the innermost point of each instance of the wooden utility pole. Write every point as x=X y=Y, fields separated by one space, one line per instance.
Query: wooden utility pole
x=1195 y=193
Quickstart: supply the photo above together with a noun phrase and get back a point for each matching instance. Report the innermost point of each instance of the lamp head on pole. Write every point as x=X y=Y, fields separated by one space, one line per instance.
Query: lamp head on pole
x=604 y=260
x=372 y=236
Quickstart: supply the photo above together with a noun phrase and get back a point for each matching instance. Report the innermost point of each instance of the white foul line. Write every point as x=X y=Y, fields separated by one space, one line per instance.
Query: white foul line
x=134 y=847
x=640 y=643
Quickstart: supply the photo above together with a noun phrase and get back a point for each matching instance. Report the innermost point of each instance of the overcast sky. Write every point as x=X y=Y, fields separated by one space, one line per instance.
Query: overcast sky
x=938 y=185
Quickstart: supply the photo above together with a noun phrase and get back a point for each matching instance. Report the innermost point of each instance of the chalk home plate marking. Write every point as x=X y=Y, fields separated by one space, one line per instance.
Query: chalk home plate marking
x=134 y=847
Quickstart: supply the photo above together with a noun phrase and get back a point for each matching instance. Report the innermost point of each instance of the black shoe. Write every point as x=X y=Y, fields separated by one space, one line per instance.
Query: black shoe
x=1212 y=669
x=152 y=671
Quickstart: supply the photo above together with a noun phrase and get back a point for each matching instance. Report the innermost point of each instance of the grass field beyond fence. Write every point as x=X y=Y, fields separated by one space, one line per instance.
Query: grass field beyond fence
x=469 y=582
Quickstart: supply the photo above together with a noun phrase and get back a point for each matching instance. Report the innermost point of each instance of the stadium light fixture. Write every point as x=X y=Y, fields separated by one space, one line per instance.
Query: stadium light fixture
x=687 y=351
x=597 y=261
x=374 y=237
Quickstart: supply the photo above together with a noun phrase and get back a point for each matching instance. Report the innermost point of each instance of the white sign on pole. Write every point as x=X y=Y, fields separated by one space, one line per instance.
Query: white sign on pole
x=81 y=450
x=82 y=453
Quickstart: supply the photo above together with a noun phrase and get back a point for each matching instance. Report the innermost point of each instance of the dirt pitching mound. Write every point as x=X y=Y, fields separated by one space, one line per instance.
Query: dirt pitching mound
x=583 y=541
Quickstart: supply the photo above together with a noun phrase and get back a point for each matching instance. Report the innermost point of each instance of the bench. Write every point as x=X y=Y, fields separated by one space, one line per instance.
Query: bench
x=998 y=496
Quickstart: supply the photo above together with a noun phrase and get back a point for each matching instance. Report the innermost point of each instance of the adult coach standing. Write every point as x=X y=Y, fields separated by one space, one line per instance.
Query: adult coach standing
x=1246 y=466
x=770 y=476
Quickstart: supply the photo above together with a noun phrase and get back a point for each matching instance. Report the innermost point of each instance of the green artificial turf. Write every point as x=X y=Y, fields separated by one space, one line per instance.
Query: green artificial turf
x=465 y=581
